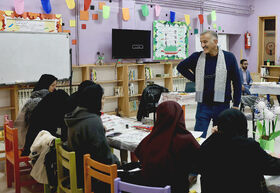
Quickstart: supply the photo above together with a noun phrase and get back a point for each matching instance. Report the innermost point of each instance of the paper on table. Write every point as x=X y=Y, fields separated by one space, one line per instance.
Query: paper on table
x=125 y=13
x=196 y=134
x=187 y=19
x=72 y=23
x=158 y=10
x=145 y=10
x=106 y=12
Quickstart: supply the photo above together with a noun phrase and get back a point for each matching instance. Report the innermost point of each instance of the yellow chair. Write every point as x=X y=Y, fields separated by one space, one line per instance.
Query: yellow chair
x=97 y=170
x=66 y=160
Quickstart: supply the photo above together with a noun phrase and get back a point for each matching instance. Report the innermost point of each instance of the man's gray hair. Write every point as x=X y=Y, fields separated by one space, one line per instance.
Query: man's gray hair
x=214 y=34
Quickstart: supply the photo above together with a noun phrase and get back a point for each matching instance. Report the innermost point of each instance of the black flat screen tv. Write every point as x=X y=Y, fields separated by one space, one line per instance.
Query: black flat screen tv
x=130 y=44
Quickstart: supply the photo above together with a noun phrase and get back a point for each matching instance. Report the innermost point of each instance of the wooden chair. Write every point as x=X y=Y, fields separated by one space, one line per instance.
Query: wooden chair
x=14 y=160
x=66 y=160
x=133 y=188
x=2 y=135
x=97 y=170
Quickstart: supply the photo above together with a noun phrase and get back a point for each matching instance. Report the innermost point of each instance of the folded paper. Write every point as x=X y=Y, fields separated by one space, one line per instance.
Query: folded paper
x=106 y=12
x=157 y=10
x=187 y=19
x=145 y=10
x=172 y=16
x=213 y=15
x=86 y=4
x=46 y=6
x=84 y=15
x=200 y=17
x=19 y=6
x=70 y=4
x=125 y=14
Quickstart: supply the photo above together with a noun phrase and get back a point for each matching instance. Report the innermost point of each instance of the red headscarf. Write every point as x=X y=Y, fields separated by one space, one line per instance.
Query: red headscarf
x=168 y=148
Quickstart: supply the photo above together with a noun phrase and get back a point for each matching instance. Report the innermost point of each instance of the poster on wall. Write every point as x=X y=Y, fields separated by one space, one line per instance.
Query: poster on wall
x=30 y=22
x=170 y=40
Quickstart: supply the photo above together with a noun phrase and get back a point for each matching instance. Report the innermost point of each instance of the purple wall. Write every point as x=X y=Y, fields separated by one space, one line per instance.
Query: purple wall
x=262 y=8
x=97 y=36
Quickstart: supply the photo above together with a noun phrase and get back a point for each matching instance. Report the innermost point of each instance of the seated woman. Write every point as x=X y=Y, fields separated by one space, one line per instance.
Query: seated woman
x=46 y=84
x=73 y=98
x=86 y=133
x=169 y=152
x=48 y=115
x=230 y=162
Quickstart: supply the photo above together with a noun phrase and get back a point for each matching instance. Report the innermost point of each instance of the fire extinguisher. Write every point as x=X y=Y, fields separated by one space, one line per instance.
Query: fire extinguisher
x=247 y=40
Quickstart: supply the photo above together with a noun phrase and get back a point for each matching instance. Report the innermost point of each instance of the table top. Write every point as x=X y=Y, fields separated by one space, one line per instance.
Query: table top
x=265 y=88
x=181 y=98
x=132 y=132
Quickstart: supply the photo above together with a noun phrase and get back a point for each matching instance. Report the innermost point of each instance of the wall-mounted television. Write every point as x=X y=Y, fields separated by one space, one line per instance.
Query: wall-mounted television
x=130 y=44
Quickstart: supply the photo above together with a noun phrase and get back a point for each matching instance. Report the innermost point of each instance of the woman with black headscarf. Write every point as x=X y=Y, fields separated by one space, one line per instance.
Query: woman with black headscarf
x=86 y=133
x=230 y=162
x=46 y=84
x=168 y=153
x=48 y=115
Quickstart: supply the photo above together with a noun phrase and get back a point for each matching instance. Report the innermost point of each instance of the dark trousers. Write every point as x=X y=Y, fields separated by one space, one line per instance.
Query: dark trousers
x=204 y=114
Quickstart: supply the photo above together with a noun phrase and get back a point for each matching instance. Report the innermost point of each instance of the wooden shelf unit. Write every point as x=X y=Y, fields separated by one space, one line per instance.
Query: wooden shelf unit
x=273 y=73
x=13 y=108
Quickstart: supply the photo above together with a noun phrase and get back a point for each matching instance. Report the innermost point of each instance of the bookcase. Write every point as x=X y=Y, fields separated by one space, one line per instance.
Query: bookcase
x=270 y=73
x=132 y=79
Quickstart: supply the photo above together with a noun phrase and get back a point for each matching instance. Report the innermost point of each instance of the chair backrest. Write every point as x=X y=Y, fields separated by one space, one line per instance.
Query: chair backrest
x=11 y=142
x=190 y=87
x=67 y=160
x=97 y=170
x=133 y=188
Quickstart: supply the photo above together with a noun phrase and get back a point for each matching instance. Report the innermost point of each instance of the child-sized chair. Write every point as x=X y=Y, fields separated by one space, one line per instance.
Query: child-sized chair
x=133 y=188
x=66 y=160
x=99 y=171
x=14 y=160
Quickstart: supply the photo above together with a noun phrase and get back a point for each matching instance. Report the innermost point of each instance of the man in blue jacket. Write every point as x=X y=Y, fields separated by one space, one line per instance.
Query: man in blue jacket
x=246 y=80
x=213 y=72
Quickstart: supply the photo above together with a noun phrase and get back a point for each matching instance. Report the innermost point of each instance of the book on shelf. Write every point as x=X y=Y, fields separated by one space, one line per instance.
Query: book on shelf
x=132 y=75
x=148 y=73
x=118 y=91
x=93 y=75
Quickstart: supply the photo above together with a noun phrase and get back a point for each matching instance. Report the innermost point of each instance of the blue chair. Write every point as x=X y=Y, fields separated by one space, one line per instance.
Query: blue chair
x=133 y=188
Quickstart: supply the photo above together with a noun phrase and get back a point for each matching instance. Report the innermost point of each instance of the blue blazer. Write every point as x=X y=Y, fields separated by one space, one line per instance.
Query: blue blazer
x=248 y=82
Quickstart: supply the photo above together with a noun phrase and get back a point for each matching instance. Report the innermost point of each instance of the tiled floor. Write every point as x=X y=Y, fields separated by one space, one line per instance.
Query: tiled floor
x=190 y=121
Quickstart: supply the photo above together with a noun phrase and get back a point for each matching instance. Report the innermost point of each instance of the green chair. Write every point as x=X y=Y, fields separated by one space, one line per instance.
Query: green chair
x=66 y=160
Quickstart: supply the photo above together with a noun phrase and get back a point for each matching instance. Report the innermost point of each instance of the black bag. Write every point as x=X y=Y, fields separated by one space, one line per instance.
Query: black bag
x=51 y=167
x=127 y=173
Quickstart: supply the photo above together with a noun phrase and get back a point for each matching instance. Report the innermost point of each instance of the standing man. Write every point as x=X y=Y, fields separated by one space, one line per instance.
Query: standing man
x=213 y=71
x=246 y=80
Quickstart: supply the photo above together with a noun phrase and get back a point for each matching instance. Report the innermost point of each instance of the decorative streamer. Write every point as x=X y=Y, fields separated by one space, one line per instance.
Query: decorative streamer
x=19 y=6
x=213 y=15
x=106 y=12
x=187 y=19
x=157 y=10
x=86 y=4
x=200 y=17
x=145 y=10
x=46 y=6
x=70 y=4
x=125 y=13
x=172 y=16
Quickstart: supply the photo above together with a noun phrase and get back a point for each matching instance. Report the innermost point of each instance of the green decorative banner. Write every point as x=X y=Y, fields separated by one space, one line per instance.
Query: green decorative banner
x=170 y=40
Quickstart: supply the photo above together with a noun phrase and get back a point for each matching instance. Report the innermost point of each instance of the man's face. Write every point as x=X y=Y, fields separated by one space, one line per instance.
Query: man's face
x=208 y=43
x=244 y=65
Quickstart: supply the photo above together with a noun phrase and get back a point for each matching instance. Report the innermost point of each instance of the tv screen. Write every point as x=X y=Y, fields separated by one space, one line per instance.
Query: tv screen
x=131 y=44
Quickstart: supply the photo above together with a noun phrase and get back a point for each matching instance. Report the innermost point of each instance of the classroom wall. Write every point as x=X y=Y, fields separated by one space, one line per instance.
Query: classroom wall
x=97 y=36
x=262 y=8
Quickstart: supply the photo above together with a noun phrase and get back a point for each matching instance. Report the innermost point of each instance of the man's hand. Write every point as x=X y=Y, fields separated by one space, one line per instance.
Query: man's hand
x=243 y=88
x=214 y=129
x=237 y=108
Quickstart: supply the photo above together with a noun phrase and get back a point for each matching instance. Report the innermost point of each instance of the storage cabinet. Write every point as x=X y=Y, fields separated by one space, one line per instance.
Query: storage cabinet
x=270 y=73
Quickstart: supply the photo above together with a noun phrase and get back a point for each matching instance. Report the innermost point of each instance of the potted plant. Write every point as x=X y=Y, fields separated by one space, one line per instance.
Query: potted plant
x=266 y=127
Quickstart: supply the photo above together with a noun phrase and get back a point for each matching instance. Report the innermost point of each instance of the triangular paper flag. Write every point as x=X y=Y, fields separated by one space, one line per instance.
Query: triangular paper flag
x=200 y=16
x=8 y=13
x=19 y=6
x=46 y=6
x=145 y=10
x=125 y=13
x=172 y=16
x=157 y=10
x=187 y=19
x=72 y=23
x=86 y=4
x=213 y=15
x=70 y=4
x=106 y=12
x=100 y=5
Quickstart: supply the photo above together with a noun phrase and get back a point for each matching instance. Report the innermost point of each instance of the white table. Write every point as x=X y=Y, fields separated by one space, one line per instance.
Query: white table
x=265 y=88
